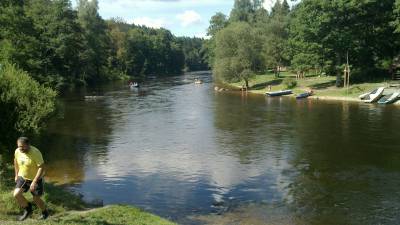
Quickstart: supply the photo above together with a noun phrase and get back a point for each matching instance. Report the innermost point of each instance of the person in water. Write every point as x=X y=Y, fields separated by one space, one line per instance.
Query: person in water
x=29 y=172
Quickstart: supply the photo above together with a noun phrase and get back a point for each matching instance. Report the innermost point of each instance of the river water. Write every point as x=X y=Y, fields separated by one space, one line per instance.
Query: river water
x=196 y=156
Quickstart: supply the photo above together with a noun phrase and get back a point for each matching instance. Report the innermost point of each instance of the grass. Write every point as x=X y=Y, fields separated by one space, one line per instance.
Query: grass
x=323 y=86
x=67 y=208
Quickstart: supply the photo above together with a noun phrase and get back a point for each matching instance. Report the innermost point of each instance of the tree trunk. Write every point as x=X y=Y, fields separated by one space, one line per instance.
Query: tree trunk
x=247 y=83
x=338 y=73
x=278 y=71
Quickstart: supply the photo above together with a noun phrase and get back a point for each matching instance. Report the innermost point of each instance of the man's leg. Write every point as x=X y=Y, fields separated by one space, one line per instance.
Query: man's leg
x=39 y=202
x=37 y=194
x=22 y=202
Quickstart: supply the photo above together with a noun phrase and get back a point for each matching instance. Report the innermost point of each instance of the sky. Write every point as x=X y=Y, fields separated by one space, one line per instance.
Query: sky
x=182 y=17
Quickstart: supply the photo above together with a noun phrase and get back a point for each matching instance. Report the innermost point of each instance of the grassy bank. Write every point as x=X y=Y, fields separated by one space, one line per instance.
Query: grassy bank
x=67 y=208
x=323 y=86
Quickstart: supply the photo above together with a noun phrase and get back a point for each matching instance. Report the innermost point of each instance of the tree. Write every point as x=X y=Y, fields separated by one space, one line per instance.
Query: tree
x=24 y=104
x=242 y=11
x=396 y=21
x=18 y=43
x=237 y=53
x=276 y=35
x=96 y=42
x=217 y=23
x=327 y=30
x=60 y=38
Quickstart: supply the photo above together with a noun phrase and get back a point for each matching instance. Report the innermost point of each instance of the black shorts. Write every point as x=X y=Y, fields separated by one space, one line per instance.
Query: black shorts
x=26 y=184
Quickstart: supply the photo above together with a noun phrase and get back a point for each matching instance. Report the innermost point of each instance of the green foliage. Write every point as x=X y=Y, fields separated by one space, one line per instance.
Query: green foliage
x=192 y=50
x=396 y=22
x=237 y=53
x=24 y=104
x=325 y=31
x=289 y=82
x=317 y=35
x=61 y=46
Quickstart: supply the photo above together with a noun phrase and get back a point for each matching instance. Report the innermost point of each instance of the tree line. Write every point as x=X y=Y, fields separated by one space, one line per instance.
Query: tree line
x=59 y=45
x=47 y=45
x=314 y=35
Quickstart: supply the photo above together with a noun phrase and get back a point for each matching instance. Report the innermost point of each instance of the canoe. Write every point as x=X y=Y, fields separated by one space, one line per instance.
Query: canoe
x=303 y=95
x=388 y=99
x=374 y=96
x=279 y=93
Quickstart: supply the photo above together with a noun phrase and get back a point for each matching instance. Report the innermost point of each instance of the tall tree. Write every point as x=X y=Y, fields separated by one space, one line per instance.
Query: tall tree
x=327 y=30
x=60 y=39
x=237 y=53
x=396 y=21
x=276 y=36
x=242 y=11
x=18 y=43
x=96 y=42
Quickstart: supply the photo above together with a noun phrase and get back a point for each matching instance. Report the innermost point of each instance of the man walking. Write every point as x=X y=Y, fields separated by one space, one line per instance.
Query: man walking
x=29 y=171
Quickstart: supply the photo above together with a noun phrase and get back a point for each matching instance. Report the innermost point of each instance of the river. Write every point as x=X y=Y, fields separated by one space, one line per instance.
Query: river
x=193 y=155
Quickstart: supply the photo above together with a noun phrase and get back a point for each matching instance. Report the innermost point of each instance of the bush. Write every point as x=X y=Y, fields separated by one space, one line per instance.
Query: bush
x=290 y=83
x=24 y=103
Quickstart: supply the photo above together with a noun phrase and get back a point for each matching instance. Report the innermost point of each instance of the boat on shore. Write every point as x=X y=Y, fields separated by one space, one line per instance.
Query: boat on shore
x=374 y=95
x=279 y=93
x=303 y=95
x=388 y=99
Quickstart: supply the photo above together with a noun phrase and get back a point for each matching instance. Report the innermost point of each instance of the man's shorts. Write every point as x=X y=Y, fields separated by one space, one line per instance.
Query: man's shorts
x=26 y=184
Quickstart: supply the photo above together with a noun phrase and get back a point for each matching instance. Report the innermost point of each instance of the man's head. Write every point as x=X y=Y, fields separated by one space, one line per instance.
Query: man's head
x=23 y=144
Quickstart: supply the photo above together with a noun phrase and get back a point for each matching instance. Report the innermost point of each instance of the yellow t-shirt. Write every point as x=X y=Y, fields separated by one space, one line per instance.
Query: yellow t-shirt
x=28 y=163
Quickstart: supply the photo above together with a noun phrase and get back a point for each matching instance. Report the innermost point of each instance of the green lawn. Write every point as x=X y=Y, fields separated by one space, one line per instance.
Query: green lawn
x=67 y=208
x=321 y=85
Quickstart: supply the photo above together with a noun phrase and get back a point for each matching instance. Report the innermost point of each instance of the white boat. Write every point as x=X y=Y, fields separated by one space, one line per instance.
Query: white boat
x=374 y=95
x=364 y=96
x=388 y=99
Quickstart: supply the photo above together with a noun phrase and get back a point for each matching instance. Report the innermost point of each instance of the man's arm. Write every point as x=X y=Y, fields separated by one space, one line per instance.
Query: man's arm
x=39 y=174
x=16 y=169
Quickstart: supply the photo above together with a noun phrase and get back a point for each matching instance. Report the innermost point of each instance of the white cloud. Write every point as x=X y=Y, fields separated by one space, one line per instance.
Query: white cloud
x=149 y=22
x=189 y=17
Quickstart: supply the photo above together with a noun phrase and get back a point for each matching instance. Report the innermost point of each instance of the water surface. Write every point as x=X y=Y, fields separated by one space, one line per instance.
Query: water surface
x=185 y=152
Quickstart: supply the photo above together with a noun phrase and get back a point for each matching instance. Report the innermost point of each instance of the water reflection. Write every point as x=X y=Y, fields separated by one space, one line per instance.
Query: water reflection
x=180 y=149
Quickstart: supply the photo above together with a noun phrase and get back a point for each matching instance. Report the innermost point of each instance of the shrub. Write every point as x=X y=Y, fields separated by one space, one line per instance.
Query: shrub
x=290 y=83
x=24 y=103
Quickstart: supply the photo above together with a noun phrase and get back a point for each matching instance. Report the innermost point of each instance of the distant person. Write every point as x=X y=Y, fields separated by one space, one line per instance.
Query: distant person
x=29 y=171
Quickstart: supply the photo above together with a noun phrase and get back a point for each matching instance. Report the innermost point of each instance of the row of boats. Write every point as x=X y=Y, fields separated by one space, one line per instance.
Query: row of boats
x=369 y=97
x=377 y=96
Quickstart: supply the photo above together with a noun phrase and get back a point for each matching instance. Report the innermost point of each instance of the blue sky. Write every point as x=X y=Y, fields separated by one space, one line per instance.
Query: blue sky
x=181 y=17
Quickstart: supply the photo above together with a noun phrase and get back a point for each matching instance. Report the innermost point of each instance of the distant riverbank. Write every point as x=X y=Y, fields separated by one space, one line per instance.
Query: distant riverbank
x=323 y=87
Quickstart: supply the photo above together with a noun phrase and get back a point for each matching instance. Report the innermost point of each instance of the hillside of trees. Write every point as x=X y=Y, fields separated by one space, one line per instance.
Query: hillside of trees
x=47 y=45
x=61 y=46
x=313 y=36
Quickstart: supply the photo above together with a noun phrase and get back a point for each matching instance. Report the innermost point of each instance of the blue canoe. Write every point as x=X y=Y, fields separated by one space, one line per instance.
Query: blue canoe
x=279 y=93
x=303 y=95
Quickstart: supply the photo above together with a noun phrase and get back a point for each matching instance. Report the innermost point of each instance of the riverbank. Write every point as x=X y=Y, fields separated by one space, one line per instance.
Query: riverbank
x=67 y=208
x=323 y=86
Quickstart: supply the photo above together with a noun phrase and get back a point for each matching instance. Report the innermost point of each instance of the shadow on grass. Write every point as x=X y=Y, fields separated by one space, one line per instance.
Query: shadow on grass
x=263 y=85
x=323 y=85
x=58 y=195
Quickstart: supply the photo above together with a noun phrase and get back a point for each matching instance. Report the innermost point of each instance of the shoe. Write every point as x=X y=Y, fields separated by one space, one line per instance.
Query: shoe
x=44 y=215
x=27 y=212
